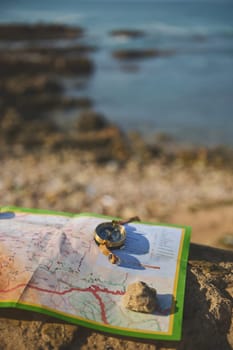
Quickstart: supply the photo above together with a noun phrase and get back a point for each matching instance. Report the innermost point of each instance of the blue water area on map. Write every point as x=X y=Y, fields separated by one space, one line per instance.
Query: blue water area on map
x=7 y=215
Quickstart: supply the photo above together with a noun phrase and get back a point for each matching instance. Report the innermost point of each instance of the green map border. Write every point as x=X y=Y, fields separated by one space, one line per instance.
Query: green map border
x=180 y=291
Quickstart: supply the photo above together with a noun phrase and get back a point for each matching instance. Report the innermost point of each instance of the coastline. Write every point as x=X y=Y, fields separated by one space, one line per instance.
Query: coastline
x=156 y=179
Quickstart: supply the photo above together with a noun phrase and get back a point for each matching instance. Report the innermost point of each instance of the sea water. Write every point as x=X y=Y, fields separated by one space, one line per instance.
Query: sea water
x=188 y=94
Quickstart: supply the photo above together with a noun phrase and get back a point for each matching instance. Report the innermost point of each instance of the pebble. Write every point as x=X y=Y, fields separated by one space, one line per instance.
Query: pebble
x=139 y=297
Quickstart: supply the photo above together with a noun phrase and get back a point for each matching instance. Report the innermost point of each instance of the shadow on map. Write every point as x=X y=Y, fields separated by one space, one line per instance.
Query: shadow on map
x=136 y=244
x=7 y=215
x=167 y=305
x=129 y=261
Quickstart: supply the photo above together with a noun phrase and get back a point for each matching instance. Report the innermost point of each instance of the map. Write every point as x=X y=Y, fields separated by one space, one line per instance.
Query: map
x=50 y=263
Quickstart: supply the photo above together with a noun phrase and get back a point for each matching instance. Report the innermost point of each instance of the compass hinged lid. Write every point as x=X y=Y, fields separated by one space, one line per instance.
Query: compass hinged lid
x=111 y=234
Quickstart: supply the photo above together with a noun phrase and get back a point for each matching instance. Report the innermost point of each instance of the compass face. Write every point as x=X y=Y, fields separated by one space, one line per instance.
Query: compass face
x=112 y=233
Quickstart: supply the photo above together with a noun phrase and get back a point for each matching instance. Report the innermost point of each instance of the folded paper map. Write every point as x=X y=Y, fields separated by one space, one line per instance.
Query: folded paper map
x=50 y=263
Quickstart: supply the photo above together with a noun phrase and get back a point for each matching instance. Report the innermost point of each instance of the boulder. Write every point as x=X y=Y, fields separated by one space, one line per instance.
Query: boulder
x=207 y=321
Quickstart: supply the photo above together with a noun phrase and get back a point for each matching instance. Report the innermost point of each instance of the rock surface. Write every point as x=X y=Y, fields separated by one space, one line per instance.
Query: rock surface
x=16 y=32
x=32 y=86
x=91 y=121
x=207 y=322
x=130 y=54
x=140 y=297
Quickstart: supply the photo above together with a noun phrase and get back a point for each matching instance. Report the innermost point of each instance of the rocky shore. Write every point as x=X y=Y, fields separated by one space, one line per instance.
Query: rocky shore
x=99 y=168
x=18 y=32
x=33 y=68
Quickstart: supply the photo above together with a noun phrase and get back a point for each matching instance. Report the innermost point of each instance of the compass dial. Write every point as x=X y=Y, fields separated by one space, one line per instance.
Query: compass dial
x=113 y=234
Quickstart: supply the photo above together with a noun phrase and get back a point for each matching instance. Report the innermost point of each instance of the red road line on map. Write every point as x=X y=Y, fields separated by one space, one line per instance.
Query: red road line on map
x=102 y=307
x=13 y=288
x=94 y=289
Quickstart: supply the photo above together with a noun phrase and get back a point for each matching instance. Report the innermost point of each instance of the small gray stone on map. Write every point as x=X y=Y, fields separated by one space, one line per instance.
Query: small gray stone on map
x=140 y=297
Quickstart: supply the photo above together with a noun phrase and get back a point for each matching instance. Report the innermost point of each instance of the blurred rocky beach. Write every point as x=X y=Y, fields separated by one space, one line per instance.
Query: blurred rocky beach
x=88 y=163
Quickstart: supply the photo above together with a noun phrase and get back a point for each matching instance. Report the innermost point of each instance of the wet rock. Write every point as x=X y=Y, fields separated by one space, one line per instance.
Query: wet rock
x=29 y=86
x=34 y=97
x=14 y=32
x=93 y=132
x=131 y=54
x=11 y=65
x=38 y=106
x=91 y=121
x=164 y=138
x=220 y=156
x=75 y=65
x=13 y=130
x=216 y=156
x=106 y=144
x=78 y=49
x=141 y=149
x=140 y=297
x=10 y=125
x=36 y=135
x=45 y=103
x=30 y=94
x=81 y=102
x=130 y=33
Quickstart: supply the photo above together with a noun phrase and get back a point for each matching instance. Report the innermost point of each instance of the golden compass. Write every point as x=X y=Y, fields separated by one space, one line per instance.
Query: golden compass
x=110 y=235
